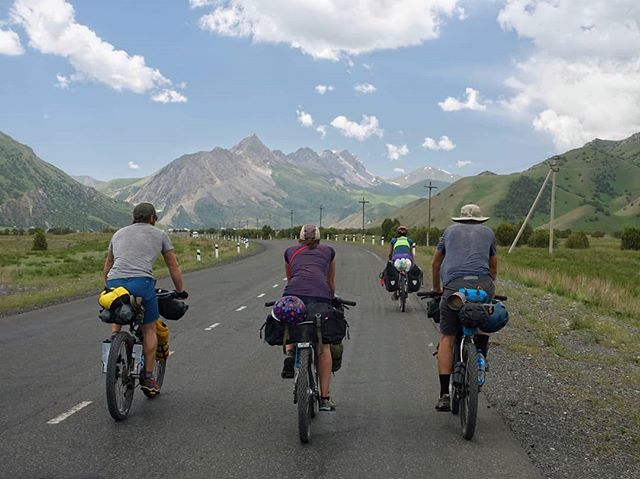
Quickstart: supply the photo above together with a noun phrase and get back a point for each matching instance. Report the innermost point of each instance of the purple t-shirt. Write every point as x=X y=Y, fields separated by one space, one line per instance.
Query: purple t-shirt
x=309 y=271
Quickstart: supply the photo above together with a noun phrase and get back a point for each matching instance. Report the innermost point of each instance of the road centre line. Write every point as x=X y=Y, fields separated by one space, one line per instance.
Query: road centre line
x=65 y=415
x=276 y=285
x=214 y=325
x=241 y=308
x=284 y=279
x=260 y=295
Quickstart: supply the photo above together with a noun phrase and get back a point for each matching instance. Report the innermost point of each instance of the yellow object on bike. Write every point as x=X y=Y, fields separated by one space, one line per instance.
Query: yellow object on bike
x=162 y=331
x=109 y=295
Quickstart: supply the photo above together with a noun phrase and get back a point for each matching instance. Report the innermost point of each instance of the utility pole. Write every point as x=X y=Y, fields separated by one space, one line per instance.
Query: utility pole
x=291 y=219
x=429 y=209
x=533 y=207
x=363 y=202
x=553 y=164
x=320 y=225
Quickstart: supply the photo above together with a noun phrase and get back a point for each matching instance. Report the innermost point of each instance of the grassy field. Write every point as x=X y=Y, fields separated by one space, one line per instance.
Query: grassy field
x=72 y=266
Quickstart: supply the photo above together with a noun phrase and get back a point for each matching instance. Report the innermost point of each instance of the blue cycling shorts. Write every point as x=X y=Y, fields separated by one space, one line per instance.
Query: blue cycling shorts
x=144 y=288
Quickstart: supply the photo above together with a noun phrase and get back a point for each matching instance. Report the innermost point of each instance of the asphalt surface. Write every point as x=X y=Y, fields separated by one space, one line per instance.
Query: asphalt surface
x=224 y=411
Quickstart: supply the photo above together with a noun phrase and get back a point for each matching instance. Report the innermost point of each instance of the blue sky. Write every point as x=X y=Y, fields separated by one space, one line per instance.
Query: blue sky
x=517 y=90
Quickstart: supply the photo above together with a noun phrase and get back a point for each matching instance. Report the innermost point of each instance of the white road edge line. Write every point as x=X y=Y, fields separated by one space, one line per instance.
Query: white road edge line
x=260 y=295
x=284 y=279
x=214 y=325
x=241 y=308
x=171 y=352
x=276 y=285
x=73 y=410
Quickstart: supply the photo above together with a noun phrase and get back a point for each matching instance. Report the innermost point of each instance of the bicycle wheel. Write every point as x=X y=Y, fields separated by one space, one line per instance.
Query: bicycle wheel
x=304 y=395
x=120 y=381
x=470 y=389
x=314 y=391
x=455 y=400
x=158 y=371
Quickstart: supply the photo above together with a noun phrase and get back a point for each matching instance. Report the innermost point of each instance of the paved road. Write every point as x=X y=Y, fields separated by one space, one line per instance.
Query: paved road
x=224 y=411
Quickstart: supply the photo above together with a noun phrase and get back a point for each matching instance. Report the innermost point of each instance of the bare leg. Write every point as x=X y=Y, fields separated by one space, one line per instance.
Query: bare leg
x=324 y=369
x=149 y=346
x=445 y=354
x=115 y=328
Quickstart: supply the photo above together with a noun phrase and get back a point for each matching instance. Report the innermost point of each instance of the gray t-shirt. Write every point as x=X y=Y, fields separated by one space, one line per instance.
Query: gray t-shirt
x=467 y=248
x=135 y=248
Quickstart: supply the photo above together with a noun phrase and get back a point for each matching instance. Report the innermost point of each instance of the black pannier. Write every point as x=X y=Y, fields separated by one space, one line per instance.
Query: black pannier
x=390 y=276
x=332 y=323
x=274 y=331
x=414 y=277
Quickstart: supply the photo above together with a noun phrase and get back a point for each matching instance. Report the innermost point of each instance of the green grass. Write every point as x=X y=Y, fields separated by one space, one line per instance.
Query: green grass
x=72 y=266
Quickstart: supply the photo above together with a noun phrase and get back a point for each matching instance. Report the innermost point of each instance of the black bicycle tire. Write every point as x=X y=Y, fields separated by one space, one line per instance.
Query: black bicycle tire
x=469 y=400
x=123 y=392
x=455 y=390
x=302 y=393
x=314 y=387
x=159 y=370
x=403 y=294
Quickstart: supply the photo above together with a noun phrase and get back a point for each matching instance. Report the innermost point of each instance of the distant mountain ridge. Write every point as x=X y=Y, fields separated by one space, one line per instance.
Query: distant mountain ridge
x=251 y=183
x=598 y=189
x=36 y=193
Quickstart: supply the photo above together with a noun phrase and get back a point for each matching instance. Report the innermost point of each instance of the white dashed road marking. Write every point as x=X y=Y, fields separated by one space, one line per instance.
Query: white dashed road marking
x=65 y=415
x=171 y=352
x=241 y=308
x=260 y=295
x=284 y=279
x=276 y=285
x=214 y=325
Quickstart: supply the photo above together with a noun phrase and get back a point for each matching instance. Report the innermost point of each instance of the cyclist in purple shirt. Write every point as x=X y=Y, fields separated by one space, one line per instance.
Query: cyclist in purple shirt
x=311 y=276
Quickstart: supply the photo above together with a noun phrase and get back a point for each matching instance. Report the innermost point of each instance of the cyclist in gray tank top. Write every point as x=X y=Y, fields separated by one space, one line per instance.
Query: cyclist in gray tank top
x=465 y=258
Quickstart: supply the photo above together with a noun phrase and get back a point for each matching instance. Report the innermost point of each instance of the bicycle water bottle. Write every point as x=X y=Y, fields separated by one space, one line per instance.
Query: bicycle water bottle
x=482 y=369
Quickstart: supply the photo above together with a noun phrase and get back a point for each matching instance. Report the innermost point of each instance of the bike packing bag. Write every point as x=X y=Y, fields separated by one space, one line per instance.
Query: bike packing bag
x=305 y=332
x=472 y=314
x=117 y=306
x=332 y=323
x=170 y=307
x=274 y=331
x=415 y=278
x=162 y=332
x=433 y=309
x=391 y=276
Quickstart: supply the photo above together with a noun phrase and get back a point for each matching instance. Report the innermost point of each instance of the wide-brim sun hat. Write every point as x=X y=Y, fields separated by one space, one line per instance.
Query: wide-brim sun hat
x=471 y=212
x=309 y=232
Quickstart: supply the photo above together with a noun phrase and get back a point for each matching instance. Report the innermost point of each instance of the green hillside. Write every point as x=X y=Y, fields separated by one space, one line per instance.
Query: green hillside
x=598 y=188
x=35 y=193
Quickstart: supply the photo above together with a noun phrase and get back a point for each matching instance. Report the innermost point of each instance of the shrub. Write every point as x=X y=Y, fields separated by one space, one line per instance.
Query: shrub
x=563 y=233
x=540 y=239
x=526 y=234
x=577 y=240
x=630 y=239
x=39 y=241
x=506 y=233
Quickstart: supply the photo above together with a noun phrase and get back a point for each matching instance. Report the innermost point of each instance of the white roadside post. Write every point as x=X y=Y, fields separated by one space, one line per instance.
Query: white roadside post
x=353 y=238
x=238 y=247
x=198 y=255
x=413 y=250
x=217 y=251
x=246 y=244
x=381 y=240
x=373 y=239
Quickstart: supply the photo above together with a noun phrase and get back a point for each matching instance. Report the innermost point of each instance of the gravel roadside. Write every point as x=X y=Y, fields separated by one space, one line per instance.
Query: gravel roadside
x=573 y=402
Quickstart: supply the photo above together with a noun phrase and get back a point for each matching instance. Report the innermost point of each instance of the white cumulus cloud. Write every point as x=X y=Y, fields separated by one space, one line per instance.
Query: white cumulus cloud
x=472 y=102
x=304 y=118
x=330 y=29
x=322 y=89
x=169 y=96
x=395 y=152
x=463 y=163
x=10 y=43
x=134 y=166
x=52 y=29
x=444 y=144
x=582 y=79
x=322 y=129
x=365 y=88
x=369 y=126
x=62 y=81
